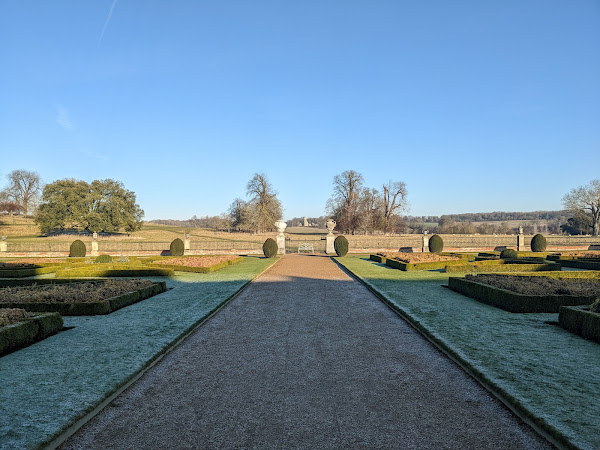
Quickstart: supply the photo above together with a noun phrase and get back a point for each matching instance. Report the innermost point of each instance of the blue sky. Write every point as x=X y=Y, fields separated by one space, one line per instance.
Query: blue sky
x=475 y=105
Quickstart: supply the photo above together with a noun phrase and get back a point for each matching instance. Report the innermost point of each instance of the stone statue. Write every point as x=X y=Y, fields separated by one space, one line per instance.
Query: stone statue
x=281 y=225
x=330 y=225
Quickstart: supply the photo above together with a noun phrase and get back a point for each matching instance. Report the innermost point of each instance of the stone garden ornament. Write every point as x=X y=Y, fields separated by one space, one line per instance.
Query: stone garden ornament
x=330 y=225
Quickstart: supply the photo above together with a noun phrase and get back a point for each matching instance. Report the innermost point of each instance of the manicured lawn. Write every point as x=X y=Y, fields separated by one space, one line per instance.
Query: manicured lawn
x=552 y=373
x=47 y=386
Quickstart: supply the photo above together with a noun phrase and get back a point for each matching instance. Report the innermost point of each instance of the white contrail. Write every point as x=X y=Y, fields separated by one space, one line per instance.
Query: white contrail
x=112 y=8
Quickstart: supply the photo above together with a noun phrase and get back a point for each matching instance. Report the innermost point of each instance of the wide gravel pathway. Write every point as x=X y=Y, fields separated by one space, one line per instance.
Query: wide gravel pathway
x=305 y=357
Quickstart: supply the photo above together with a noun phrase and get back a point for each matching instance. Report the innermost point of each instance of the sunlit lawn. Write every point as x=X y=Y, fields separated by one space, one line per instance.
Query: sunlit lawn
x=553 y=374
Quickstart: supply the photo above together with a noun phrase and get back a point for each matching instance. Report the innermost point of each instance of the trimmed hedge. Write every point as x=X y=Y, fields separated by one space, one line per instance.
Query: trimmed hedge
x=502 y=265
x=581 y=321
x=538 y=243
x=33 y=329
x=115 y=271
x=77 y=249
x=28 y=272
x=93 y=308
x=378 y=258
x=209 y=269
x=395 y=264
x=579 y=264
x=103 y=259
x=177 y=248
x=509 y=253
x=513 y=302
x=270 y=248
x=436 y=244
x=340 y=245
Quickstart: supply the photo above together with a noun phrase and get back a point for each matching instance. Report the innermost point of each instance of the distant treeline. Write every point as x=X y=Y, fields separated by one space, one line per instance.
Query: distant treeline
x=499 y=216
x=221 y=223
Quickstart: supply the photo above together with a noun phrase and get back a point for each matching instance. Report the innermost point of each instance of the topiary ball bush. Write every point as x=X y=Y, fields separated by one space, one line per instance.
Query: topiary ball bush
x=104 y=259
x=270 y=248
x=340 y=244
x=509 y=253
x=77 y=249
x=538 y=243
x=436 y=244
x=176 y=248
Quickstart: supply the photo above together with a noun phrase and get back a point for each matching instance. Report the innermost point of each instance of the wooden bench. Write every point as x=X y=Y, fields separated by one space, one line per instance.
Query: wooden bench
x=306 y=247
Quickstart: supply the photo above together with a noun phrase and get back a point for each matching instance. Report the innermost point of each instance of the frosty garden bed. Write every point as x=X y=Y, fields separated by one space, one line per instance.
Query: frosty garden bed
x=41 y=396
x=547 y=373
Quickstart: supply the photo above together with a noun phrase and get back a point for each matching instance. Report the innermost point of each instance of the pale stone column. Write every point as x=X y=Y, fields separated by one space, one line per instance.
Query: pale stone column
x=3 y=245
x=95 y=251
x=186 y=243
x=520 y=240
x=425 y=246
x=330 y=249
x=281 y=225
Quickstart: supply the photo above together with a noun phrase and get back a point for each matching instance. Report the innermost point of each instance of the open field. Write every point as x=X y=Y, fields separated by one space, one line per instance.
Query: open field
x=549 y=373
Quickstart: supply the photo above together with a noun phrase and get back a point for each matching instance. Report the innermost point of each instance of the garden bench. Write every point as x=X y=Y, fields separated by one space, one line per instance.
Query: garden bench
x=306 y=247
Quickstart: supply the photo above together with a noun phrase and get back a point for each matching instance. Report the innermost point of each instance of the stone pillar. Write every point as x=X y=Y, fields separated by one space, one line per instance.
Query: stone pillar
x=280 y=224
x=95 y=244
x=425 y=246
x=186 y=243
x=520 y=240
x=330 y=249
x=3 y=245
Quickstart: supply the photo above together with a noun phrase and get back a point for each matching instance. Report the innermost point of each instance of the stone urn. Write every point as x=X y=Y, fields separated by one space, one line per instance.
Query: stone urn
x=330 y=225
x=281 y=225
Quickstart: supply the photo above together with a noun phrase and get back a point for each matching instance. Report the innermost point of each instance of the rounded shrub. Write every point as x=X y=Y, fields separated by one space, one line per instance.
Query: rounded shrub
x=77 y=249
x=104 y=259
x=176 y=248
x=538 y=243
x=436 y=244
x=509 y=253
x=340 y=244
x=270 y=248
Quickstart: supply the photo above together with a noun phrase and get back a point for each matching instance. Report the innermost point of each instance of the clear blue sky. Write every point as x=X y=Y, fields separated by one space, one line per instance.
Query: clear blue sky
x=475 y=105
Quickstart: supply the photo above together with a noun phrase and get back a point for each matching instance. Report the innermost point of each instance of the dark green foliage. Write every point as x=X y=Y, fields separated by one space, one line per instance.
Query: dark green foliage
x=436 y=244
x=578 y=264
x=77 y=249
x=513 y=302
x=31 y=330
x=595 y=307
x=509 y=253
x=538 y=243
x=20 y=273
x=104 y=259
x=114 y=271
x=581 y=321
x=340 y=244
x=378 y=258
x=270 y=248
x=177 y=247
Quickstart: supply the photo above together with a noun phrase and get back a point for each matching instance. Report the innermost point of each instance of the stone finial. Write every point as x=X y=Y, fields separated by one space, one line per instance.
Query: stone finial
x=281 y=225
x=95 y=236
x=330 y=224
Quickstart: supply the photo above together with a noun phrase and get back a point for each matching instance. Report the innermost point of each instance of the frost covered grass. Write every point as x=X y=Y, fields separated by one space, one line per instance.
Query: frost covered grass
x=546 y=370
x=49 y=385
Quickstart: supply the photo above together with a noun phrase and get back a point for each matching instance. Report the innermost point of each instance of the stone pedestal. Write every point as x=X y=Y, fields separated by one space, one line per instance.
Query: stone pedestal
x=281 y=244
x=186 y=243
x=520 y=242
x=95 y=248
x=330 y=247
x=425 y=246
x=3 y=245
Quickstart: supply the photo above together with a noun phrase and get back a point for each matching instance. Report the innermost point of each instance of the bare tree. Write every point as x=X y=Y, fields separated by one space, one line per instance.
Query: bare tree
x=24 y=188
x=265 y=208
x=345 y=202
x=394 y=201
x=586 y=200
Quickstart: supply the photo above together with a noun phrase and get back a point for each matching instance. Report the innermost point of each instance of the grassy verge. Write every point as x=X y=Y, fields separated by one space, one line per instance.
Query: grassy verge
x=546 y=372
x=41 y=396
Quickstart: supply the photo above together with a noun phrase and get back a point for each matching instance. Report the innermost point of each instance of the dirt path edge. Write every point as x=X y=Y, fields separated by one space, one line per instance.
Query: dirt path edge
x=540 y=426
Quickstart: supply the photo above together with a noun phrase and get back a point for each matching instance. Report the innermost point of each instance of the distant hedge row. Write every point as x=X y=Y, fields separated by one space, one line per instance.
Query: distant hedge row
x=33 y=329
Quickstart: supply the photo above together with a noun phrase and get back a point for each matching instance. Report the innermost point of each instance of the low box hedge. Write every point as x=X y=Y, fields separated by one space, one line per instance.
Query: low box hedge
x=512 y=301
x=93 y=308
x=581 y=321
x=395 y=264
x=12 y=282
x=378 y=258
x=502 y=265
x=579 y=263
x=28 y=272
x=33 y=329
x=115 y=271
x=209 y=269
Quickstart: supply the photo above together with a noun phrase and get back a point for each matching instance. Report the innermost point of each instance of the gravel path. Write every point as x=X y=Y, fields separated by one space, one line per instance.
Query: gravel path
x=305 y=357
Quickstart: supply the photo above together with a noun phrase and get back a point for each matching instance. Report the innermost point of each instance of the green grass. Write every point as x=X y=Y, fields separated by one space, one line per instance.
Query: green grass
x=551 y=373
x=49 y=385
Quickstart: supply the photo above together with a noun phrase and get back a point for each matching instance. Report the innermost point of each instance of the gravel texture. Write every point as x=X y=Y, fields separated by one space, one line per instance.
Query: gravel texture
x=305 y=357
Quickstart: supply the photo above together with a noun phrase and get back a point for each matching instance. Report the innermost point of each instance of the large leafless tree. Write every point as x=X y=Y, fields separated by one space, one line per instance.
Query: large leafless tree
x=264 y=208
x=345 y=203
x=394 y=201
x=586 y=200
x=24 y=188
